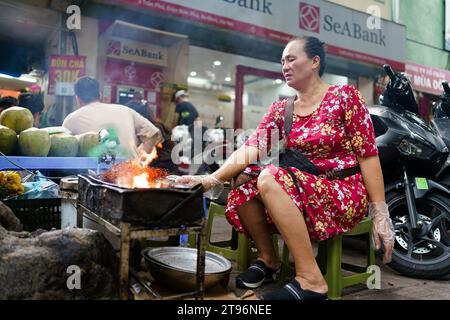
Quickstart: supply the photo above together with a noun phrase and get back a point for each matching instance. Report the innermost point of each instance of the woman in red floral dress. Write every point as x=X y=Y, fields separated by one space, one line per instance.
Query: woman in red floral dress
x=332 y=128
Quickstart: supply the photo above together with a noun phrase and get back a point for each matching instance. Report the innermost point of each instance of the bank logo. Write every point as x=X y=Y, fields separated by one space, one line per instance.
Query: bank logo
x=157 y=79
x=130 y=71
x=114 y=48
x=309 y=17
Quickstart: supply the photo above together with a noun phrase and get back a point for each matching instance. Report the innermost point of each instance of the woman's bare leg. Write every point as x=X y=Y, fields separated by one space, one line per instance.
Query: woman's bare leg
x=292 y=226
x=253 y=218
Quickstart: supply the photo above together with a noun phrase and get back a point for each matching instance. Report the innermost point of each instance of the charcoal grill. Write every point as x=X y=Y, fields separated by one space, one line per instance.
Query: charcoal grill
x=134 y=214
x=149 y=207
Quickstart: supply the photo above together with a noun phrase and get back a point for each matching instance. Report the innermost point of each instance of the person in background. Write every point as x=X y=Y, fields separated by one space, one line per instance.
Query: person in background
x=33 y=102
x=49 y=116
x=139 y=105
x=135 y=133
x=185 y=112
x=164 y=149
x=197 y=131
x=7 y=102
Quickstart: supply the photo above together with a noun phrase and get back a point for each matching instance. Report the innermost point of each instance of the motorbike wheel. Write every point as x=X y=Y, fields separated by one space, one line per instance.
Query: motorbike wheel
x=426 y=256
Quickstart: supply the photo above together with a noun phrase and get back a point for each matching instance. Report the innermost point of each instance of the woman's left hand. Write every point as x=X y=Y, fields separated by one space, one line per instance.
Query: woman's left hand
x=382 y=229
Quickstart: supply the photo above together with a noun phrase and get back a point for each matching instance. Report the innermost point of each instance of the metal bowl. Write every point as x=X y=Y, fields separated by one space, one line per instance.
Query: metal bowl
x=176 y=267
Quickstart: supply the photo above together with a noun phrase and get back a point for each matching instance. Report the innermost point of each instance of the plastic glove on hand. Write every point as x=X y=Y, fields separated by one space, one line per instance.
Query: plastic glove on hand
x=382 y=229
x=188 y=180
x=208 y=181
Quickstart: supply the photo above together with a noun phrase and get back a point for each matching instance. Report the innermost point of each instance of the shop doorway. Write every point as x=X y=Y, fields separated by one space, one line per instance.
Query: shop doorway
x=126 y=93
x=256 y=89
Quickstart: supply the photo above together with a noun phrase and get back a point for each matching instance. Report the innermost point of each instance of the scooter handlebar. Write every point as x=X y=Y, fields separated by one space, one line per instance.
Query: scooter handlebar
x=387 y=68
x=446 y=87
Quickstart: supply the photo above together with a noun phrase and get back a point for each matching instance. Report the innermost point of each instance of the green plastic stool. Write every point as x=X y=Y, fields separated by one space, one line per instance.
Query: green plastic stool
x=329 y=259
x=239 y=248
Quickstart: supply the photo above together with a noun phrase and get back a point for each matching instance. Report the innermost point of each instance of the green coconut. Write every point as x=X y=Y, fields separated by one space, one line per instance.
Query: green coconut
x=34 y=142
x=56 y=130
x=63 y=145
x=8 y=140
x=17 y=119
x=87 y=141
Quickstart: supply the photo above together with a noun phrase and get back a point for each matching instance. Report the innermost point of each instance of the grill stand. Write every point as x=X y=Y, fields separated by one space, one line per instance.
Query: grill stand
x=126 y=232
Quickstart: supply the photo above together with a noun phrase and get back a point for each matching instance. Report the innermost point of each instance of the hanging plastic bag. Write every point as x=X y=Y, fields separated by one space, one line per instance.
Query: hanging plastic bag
x=39 y=188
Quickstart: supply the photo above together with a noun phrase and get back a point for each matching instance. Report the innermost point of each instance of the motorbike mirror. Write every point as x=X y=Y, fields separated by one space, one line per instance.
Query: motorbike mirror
x=387 y=68
x=446 y=87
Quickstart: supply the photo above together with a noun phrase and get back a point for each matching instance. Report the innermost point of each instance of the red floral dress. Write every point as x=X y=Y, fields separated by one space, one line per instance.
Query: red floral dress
x=332 y=136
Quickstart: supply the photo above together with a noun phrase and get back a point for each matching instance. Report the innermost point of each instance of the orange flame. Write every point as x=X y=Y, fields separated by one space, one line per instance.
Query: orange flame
x=141 y=181
x=131 y=175
x=147 y=158
x=136 y=173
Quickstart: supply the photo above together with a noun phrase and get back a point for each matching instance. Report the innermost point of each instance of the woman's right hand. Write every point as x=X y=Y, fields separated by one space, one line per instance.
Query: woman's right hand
x=208 y=182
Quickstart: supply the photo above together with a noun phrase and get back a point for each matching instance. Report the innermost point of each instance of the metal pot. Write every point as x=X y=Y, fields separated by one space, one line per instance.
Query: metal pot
x=175 y=267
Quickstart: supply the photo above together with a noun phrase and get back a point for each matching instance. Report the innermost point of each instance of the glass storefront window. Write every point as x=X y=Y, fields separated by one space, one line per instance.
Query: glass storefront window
x=212 y=80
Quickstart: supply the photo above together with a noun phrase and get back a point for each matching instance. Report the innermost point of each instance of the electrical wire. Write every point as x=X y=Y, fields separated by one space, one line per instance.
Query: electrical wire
x=73 y=37
x=27 y=170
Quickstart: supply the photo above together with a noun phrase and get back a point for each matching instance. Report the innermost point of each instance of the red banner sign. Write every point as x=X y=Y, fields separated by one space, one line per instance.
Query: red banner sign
x=426 y=79
x=191 y=10
x=65 y=70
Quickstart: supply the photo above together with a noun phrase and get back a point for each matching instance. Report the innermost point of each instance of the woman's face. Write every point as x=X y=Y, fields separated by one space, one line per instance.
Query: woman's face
x=296 y=66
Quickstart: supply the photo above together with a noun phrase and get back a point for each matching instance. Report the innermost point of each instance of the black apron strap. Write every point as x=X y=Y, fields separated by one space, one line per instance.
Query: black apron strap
x=288 y=116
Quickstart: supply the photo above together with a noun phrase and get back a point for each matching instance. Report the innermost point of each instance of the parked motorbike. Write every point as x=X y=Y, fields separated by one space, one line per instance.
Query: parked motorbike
x=412 y=153
x=182 y=150
x=441 y=122
x=210 y=153
x=220 y=145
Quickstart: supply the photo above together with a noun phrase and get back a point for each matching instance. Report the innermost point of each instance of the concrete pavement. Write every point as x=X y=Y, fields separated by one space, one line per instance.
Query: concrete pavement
x=393 y=285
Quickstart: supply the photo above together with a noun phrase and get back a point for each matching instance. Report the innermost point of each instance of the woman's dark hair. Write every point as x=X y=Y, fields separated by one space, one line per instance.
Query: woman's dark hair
x=314 y=47
x=87 y=89
x=7 y=102
x=32 y=101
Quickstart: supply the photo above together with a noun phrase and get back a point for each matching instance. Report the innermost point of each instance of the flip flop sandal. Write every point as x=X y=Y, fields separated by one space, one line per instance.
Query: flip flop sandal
x=255 y=276
x=293 y=291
